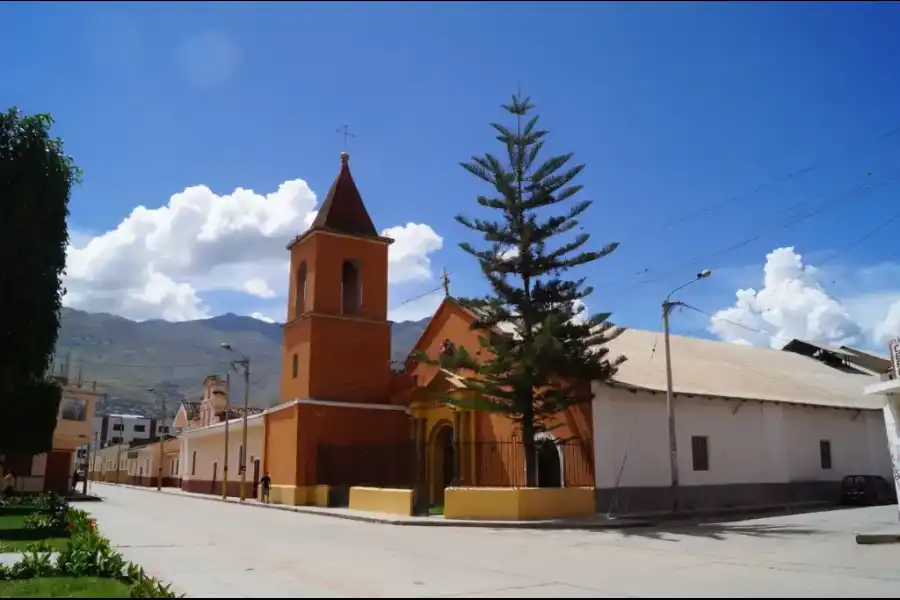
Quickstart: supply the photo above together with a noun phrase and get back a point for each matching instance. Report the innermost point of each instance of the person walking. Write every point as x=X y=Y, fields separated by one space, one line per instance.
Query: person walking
x=265 y=483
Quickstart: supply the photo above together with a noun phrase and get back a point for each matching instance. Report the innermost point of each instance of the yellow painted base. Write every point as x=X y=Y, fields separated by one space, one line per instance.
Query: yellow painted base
x=293 y=495
x=518 y=504
x=390 y=501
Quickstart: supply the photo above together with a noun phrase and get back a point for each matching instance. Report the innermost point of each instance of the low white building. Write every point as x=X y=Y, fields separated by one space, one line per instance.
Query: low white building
x=888 y=393
x=125 y=429
x=754 y=426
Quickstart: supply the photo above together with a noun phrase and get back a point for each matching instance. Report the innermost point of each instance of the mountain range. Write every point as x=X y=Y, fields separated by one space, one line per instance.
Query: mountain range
x=138 y=365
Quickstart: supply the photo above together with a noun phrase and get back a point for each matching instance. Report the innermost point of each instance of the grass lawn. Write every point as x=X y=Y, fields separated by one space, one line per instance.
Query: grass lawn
x=14 y=538
x=64 y=587
x=436 y=510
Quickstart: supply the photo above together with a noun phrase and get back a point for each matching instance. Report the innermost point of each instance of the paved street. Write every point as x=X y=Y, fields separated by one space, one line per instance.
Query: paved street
x=213 y=549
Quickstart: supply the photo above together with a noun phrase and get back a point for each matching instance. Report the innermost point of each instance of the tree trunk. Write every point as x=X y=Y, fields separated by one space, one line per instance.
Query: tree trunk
x=530 y=453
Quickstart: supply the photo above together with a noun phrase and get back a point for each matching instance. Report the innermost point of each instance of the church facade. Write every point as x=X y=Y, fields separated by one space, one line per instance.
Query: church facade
x=753 y=426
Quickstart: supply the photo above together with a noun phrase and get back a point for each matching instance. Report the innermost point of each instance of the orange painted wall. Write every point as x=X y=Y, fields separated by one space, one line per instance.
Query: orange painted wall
x=324 y=254
x=281 y=446
x=324 y=341
x=452 y=322
x=337 y=425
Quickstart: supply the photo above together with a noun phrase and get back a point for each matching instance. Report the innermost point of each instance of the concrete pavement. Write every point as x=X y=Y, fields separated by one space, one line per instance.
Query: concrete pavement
x=212 y=549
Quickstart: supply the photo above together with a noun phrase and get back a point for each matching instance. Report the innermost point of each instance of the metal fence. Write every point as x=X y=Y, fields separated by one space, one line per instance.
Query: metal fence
x=375 y=465
x=568 y=463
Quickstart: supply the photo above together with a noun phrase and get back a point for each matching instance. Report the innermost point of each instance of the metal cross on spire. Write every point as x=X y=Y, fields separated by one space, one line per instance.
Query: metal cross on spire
x=347 y=136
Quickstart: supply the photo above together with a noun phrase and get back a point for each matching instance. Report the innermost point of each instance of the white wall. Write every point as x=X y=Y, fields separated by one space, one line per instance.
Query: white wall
x=892 y=435
x=749 y=442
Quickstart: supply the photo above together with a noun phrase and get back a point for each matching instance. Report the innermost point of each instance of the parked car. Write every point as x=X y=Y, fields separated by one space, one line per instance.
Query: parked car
x=867 y=490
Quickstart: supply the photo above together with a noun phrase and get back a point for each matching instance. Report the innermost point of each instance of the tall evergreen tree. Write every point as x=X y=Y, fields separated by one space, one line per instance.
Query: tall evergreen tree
x=36 y=178
x=539 y=347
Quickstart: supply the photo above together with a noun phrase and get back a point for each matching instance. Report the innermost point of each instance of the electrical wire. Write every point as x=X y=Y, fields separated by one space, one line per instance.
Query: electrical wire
x=813 y=166
x=851 y=195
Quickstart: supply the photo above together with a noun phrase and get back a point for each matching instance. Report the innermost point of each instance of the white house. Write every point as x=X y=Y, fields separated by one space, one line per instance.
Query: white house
x=754 y=426
x=887 y=392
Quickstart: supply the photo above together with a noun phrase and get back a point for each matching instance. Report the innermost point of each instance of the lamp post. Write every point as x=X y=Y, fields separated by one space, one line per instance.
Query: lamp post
x=159 y=467
x=244 y=363
x=119 y=450
x=227 y=418
x=667 y=306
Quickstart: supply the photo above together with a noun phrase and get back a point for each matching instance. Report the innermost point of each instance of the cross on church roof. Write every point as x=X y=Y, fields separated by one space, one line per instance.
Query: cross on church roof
x=347 y=135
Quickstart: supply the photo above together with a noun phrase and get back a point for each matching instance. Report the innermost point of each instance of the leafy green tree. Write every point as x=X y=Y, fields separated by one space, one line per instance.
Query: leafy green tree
x=539 y=347
x=36 y=179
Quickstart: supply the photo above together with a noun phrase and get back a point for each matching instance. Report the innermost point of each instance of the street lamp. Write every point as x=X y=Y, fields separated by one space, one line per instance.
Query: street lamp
x=227 y=418
x=159 y=467
x=119 y=449
x=244 y=363
x=667 y=306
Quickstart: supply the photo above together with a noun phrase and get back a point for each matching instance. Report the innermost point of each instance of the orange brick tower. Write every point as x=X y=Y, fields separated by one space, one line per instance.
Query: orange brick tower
x=337 y=340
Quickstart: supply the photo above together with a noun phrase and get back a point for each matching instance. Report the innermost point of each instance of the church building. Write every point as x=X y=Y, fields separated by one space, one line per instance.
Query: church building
x=345 y=417
x=752 y=425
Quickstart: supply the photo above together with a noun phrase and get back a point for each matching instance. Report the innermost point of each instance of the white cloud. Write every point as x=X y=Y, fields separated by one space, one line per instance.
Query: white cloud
x=793 y=303
x=261 y=317
x=258 y=287
x=161 y=262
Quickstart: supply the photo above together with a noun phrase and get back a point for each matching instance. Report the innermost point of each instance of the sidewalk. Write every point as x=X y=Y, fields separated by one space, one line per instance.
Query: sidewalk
x=600 y=521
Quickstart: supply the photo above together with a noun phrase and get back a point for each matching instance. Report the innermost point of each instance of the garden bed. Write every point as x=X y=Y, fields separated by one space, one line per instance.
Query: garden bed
x=66 y=557
x=16 y=536
x=64 y=587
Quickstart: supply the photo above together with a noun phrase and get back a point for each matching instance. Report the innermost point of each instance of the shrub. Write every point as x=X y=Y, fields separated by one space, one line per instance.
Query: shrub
x=86 y=554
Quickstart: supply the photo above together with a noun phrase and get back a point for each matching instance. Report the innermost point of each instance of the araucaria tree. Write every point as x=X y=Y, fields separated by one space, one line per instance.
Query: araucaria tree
x=539 y=347
x=36 y=178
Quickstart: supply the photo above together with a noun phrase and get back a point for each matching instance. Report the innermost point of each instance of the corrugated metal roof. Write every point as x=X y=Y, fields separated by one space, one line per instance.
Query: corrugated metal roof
x=706 y=367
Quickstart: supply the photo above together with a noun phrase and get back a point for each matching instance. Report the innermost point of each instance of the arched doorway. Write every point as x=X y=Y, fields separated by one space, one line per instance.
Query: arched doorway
x=443 y=461
x=549 y=463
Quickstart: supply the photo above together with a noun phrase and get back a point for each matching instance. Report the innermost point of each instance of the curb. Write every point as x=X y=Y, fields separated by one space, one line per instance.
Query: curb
x=872 y=539
x=412 y=522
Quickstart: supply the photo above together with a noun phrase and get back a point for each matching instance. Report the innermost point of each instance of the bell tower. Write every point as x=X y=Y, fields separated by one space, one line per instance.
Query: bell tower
x=337 y=339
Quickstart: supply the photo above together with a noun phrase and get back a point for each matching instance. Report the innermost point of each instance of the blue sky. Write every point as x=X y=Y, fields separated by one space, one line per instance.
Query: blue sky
x=672 y=107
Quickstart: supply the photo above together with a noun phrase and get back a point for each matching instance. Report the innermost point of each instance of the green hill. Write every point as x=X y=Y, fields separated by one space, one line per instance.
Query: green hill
x=125 y=357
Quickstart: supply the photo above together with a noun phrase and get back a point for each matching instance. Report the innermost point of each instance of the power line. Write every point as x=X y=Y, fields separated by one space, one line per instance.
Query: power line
x=738 y=324
x=814 y=165
x=852 y=194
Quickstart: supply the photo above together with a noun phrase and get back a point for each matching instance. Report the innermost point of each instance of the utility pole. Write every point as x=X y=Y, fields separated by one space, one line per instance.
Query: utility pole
x=445 y=281
x=161 y=442
x=227 y=417
x=119 y=450
x=244 y=431
x=667 y=306
x=244 y=363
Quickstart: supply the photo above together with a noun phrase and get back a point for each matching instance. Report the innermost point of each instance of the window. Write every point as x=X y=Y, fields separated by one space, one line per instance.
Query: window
x=115 y=440
x=140 y=428
x=163 y=428
x=700 y=452
x=351 y=288
x=300 y=300
x=118 y=427
x=825 y=454
x=194 y=463
x=294 y=366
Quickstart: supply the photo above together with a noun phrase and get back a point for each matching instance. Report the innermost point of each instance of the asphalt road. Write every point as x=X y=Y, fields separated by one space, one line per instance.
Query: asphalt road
x=213 y=549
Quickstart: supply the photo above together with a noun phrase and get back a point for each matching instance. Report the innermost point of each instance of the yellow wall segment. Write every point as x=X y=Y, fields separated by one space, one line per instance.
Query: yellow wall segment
x=294 y=495
x=383 y=500
x=518 y=504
